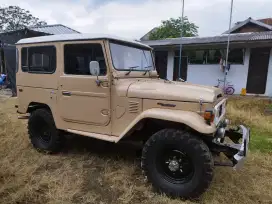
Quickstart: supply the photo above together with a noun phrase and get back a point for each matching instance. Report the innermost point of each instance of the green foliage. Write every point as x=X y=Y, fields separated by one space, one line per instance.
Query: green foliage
x=14 y=18
x=172 y=29
x=260 y=140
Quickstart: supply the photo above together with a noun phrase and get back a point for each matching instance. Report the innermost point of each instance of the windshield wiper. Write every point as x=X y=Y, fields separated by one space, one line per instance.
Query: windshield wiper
x=148 y=70
x=130 y=69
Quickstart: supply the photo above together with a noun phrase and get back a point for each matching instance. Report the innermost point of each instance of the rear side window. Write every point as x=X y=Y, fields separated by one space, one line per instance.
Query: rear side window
x=77 y=58
x=39 y=59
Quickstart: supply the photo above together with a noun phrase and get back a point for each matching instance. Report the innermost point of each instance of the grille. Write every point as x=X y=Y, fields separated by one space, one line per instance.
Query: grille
x=133 y=107
x=220 y=110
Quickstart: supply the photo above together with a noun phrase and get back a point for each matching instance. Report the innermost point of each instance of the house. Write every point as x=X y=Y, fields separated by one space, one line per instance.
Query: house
x=251 y=25
x=8 y=40
x=250 y=57
x=12 y=37
x=146 y=36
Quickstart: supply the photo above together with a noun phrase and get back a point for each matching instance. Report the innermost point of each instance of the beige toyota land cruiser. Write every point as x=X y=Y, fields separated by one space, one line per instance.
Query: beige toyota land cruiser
x=108 y=88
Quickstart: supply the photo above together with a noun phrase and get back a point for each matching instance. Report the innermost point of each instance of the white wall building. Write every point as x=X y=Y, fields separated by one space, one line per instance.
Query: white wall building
x=250 y=60
x=250 y=57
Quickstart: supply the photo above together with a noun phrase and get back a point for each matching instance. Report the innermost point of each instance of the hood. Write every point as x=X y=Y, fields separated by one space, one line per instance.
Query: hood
x=175 y=91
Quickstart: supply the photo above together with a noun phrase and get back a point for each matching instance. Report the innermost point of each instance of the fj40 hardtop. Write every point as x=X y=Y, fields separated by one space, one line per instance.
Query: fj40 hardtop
x=107 y=88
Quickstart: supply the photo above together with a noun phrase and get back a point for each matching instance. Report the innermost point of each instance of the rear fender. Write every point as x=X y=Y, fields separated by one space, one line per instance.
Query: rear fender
x=190 y=119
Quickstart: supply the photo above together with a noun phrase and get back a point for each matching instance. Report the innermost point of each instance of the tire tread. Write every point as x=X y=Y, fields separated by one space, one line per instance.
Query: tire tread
x=48 y=117
x=196 y=143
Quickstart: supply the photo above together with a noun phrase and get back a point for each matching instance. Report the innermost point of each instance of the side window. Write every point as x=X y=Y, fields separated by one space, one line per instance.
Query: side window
x=39 y=59
x=77 y=58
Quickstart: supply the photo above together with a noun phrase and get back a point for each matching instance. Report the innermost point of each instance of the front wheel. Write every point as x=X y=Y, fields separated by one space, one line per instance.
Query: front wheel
x=177 y=163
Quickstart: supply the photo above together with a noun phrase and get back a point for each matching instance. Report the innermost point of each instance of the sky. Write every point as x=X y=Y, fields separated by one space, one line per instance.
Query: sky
x=133 y=18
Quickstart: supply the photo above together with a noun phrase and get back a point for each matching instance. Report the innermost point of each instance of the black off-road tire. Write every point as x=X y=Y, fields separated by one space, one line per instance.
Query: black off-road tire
x=40 y=121
x=195 y=149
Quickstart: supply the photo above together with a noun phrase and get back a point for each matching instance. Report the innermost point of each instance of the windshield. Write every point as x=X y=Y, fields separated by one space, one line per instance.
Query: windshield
x=125 y=57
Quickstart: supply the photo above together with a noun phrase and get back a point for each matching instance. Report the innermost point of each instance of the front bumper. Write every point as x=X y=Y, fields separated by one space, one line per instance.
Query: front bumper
x=240 y=157
x=236 y=149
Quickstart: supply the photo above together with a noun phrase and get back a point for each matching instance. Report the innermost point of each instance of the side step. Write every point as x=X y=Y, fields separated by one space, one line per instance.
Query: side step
x=94 y=135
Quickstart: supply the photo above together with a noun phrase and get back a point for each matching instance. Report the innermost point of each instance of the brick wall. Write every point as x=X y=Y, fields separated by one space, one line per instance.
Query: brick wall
x=250 y=28
x=267 y=21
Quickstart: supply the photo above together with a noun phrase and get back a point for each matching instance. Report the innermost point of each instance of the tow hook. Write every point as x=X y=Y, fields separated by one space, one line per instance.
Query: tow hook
x=221 y=131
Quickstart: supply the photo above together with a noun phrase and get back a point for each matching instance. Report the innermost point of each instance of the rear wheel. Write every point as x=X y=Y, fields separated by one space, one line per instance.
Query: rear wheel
x=42 y=131
x=177 y=163
x=230 y=91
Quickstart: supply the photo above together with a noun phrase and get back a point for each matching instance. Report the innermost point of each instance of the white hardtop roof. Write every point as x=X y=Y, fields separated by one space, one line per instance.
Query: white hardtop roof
x=76 y=37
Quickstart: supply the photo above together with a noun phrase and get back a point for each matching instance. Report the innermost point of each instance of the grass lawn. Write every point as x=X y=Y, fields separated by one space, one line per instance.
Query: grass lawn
x=90 y=171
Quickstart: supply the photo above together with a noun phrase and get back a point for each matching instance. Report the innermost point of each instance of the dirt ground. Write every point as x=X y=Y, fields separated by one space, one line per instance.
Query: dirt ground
x=90 y=171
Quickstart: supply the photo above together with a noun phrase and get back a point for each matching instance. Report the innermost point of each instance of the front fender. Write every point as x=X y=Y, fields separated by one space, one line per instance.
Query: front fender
x=191 y=119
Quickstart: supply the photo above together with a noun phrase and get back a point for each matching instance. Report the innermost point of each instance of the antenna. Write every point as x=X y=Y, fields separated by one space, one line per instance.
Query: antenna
x=181 y=35
x=228 y=44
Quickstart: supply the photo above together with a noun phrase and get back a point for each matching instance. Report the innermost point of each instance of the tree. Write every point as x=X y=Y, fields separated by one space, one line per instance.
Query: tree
x=172 y=29
x=15 y=18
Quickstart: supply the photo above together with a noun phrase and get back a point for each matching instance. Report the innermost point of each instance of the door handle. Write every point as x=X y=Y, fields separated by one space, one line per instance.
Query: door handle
x=104 y=84
x=66 y=93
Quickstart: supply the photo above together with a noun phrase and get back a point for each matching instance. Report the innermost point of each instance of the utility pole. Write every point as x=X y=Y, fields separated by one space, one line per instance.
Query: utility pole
x=228 y=44
x=181 y=35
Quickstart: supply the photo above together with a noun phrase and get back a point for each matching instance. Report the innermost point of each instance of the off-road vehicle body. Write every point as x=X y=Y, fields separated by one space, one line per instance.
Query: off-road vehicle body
x=108 y=88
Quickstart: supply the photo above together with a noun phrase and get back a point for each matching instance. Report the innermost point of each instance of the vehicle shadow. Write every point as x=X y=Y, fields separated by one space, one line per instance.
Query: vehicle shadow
x=124 y=150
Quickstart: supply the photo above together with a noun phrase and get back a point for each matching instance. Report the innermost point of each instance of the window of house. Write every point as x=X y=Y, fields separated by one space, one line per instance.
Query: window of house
x=39 y=59
x=213 y=56
x=236 y=56
x=77 y=58
x=197 y=56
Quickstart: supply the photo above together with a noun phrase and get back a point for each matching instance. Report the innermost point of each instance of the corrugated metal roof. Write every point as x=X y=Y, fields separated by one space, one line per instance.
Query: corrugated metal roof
x=261 y=36
x=53 y=29
x=239 y=37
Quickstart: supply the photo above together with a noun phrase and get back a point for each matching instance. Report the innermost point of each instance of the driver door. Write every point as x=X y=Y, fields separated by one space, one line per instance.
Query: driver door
x=83 y=104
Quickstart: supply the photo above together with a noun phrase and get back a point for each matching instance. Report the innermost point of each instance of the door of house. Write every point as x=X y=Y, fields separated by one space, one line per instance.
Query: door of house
x=257 y=73
x=161 y=63
x=184 y=67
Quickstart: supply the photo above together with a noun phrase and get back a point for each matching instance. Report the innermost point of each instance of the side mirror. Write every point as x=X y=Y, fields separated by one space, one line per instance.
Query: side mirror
x=95 y=71
x=94 y=68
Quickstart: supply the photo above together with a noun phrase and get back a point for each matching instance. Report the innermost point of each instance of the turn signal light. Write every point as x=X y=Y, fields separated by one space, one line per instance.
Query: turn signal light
x=208 y=116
